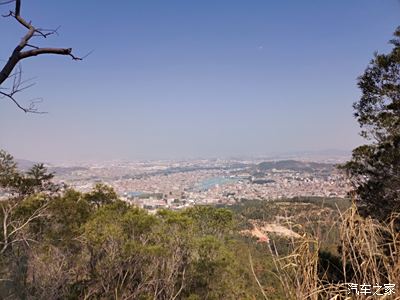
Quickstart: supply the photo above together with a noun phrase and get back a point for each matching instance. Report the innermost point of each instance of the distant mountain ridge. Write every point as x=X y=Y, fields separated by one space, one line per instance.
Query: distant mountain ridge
x=294 y=165
x=25 y=165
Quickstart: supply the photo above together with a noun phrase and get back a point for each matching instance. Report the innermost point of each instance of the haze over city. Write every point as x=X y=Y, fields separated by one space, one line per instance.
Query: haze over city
x=179 y=79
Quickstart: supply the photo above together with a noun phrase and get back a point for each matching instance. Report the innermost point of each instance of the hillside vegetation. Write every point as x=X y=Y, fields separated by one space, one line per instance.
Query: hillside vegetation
x=63 y=244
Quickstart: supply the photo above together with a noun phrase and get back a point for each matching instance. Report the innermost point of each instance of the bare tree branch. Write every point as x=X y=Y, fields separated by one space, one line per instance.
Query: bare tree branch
x=18 y=85
x=12 y=228
x=6 y=2
x=15 y=101
x=39 y=51
x=19 y=54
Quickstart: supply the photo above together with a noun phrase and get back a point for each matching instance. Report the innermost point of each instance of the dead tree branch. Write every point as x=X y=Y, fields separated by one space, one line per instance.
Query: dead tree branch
x=19 y=53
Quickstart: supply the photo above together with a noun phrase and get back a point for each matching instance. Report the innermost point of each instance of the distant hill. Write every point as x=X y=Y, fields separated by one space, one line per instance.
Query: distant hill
x=294 y=165
x=65 y=170
x=25 y=164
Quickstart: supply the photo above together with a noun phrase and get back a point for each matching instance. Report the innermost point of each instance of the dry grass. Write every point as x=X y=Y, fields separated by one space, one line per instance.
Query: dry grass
x=369 y=255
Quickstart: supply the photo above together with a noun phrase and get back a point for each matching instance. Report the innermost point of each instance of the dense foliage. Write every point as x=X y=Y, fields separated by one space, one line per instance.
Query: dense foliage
x=375 y=167
x=63 y=244
x=58 y=243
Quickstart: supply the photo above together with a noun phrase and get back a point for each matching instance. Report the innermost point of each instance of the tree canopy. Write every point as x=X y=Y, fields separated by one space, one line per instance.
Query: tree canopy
x=58 y=243
x=375 y=167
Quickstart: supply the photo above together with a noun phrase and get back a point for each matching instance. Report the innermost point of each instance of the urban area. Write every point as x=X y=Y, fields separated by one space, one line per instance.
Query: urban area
x=179 y=184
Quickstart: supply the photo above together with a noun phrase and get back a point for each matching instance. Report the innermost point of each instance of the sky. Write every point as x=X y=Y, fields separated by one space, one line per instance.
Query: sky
x=187 y=79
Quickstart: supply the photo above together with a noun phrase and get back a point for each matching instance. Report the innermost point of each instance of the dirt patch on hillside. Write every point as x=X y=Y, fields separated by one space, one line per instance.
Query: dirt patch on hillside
x=279 y=229
x=260 y=231
x=293 y=203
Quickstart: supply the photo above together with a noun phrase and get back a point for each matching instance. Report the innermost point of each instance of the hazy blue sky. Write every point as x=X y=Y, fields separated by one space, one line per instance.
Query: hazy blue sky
x=173 y=79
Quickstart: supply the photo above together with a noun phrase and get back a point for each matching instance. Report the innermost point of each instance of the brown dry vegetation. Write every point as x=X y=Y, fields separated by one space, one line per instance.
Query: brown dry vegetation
x=334 y=246
x=369 y=254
